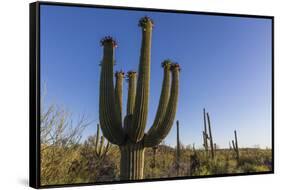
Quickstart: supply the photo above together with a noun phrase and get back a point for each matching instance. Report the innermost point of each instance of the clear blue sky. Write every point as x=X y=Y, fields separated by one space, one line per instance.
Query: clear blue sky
x=225 y=61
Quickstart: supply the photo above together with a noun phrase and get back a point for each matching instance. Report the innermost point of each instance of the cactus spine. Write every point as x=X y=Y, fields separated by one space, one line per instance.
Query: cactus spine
x=235 y=145
x=130 y=137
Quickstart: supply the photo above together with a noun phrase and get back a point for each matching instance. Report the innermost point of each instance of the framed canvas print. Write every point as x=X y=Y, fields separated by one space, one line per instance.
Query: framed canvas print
x=120 y=94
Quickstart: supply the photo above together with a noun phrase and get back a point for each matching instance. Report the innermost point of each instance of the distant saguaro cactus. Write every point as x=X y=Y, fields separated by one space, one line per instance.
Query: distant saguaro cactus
x=211 y=137
x=235 y=145
x=101 y=149
x=207 y=135
x=178 y=150
x=130 y=135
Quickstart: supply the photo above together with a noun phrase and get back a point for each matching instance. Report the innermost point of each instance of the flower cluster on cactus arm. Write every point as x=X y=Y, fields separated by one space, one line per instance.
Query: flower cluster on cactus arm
x=108 y=40
x=166 y=63
x=144 y=20
x=175 y=66
x=120 y=74
x=130 y=74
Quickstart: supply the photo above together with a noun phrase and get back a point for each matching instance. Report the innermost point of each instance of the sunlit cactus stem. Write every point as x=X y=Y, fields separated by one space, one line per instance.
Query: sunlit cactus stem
x=119 y=75
x=130 y=135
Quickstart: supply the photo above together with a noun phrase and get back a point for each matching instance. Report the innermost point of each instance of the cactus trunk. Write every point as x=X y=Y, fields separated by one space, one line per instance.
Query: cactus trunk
x=132 y=161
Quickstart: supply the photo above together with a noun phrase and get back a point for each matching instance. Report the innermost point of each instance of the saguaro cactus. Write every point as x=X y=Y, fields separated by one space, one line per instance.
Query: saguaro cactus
x=101 y=149
x=235 y=145
x=130 y=136
x=207 y=135
x=210 y=137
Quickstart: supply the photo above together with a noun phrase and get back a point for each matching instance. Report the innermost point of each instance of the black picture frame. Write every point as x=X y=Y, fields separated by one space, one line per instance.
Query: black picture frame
x=34 y=91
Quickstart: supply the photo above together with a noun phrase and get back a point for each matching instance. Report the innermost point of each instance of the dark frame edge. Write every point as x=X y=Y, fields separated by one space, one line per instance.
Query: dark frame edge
x=119 y=7
x=34 y=100
x=272 y=96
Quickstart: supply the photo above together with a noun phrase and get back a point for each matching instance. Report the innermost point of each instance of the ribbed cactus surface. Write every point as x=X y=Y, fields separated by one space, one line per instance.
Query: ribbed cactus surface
x=130 y=135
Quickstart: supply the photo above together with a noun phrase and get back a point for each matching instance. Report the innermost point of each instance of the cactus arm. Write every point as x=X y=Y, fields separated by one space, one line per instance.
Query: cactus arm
x=118 y=94
x=131 y=92
x=164 y=97
x=233 y=145
x=111 y=129
x=161 y=132
x=131 y=77
x=136 y=130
